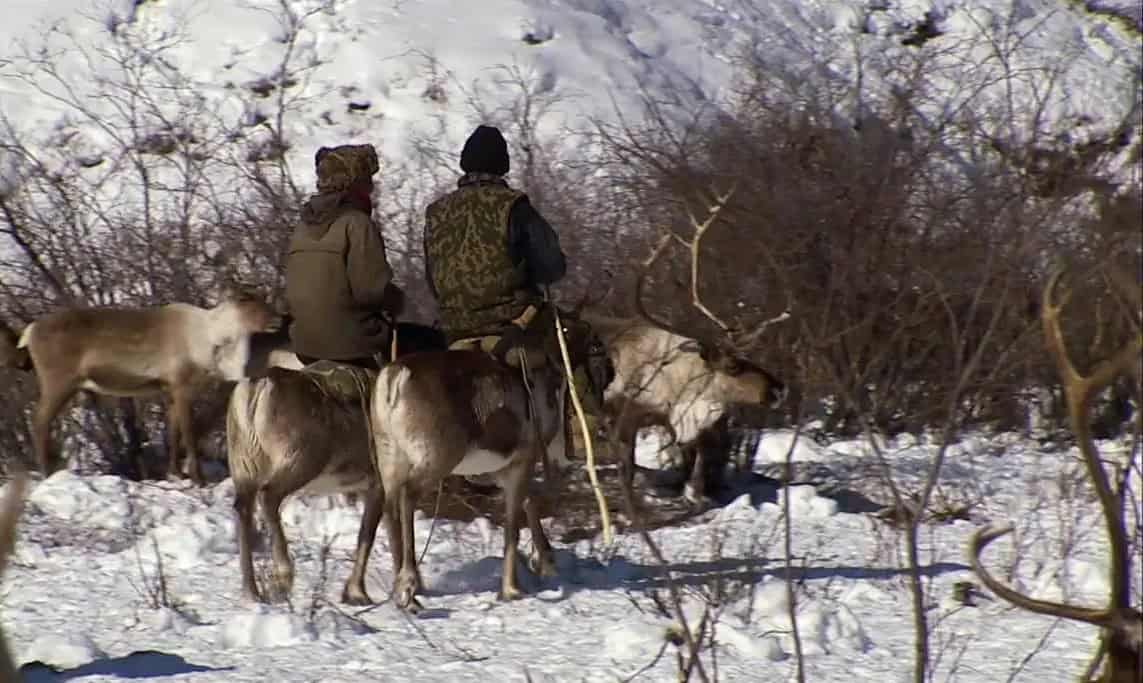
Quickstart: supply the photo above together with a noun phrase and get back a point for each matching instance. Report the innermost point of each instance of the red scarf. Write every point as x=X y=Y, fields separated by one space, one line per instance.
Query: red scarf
x=358 y=198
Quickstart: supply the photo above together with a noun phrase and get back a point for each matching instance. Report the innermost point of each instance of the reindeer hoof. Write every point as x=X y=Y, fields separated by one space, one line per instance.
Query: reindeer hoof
x=543 y=566
x=407 y=601
x=508 y=593
x=405 y=590
x=356 y=597
x=281 y=585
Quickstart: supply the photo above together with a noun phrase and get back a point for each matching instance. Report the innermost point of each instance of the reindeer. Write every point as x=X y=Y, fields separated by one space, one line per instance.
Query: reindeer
x=131 y=352
x=300 y=432
x=461 y=412
x=1120 y=624
x=9 y=516
x=691 y=387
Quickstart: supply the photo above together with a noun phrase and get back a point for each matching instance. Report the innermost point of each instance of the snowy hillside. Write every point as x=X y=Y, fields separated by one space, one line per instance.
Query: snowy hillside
x=80 y=596
x=397 y=72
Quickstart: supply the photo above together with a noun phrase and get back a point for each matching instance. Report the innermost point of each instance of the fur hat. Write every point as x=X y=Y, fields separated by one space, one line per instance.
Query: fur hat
x=485 y=151
x=339 y=167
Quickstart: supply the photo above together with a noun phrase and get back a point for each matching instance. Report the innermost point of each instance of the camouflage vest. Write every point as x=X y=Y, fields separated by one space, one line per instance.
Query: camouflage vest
x=466 y=236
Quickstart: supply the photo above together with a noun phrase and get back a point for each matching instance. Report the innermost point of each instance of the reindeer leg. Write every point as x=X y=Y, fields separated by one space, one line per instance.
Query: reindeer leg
x=695 y=488
x=408 y=580
x=512 y=480
x=184 y=435
x=545 y=560
x=174 y=427
x=283 y=573
x=244 y=502
x=391 y=504
x=354 y=592
x=52 y=400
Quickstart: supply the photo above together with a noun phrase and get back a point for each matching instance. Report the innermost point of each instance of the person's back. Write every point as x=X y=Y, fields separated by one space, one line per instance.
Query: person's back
x=338 y=280
x=488 y=252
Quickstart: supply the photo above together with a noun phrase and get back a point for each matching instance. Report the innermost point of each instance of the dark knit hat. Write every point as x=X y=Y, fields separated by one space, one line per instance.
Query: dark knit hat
x=338 y=167
x=485 y=152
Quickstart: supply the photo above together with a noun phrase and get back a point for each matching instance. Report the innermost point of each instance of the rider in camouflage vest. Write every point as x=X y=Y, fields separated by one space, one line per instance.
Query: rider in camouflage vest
x=488 y=252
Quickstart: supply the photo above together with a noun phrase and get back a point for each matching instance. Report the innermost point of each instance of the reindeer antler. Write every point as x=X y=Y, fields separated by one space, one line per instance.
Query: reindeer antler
x=645 y=269
x=1122 y=624
x=696 y=244
x=735 y=340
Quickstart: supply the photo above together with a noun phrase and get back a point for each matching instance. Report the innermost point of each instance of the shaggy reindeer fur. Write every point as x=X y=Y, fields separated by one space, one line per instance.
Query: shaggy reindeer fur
x=306 y=432
x=689 y=387
x=460 y=412
x=131 y=352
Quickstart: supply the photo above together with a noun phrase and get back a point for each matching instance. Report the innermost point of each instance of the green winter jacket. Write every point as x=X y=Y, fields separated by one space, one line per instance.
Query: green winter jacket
x=338 y=283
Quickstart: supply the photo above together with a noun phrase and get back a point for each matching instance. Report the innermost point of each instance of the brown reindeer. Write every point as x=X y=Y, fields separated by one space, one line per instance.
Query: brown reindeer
x=1120 y=624
x=9 y=515
x=306 y=433
x=130 y=352
x=461 y=412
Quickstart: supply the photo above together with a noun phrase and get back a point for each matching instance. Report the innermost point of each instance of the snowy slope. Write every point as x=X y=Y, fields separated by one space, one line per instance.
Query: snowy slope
x=412 y=70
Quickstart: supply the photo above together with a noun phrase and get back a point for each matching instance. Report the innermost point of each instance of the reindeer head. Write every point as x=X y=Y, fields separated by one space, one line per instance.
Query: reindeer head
x=738 y=376
x=726 y=358
x=251 y=312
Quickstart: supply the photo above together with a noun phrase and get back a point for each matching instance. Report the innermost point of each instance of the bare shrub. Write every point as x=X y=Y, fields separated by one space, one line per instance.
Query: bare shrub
x=147 y=193
x=903 y=229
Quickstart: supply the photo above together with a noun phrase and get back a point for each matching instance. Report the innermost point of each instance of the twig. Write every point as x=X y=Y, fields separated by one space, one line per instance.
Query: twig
x=791 y=594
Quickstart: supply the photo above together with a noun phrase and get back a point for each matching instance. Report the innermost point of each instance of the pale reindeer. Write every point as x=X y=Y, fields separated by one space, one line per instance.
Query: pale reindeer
x=462 y=412
x=1120 y=624
x=693 y=387
x=130 y=352
x=9 y=516
x=296 y=433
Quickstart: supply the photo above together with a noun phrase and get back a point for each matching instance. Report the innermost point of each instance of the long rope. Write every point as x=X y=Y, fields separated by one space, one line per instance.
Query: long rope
x=601 y=501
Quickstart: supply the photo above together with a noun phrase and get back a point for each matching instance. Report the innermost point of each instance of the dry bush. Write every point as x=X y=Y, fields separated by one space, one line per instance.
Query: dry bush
x=909 y=249
x=146 y=195
x=895 y=261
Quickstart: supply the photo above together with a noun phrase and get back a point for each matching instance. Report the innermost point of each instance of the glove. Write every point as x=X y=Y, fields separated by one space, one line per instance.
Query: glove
x=513 y=337
x=393 y=301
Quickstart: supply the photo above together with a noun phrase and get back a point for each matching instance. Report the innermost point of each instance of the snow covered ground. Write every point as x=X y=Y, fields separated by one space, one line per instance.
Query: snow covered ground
x=396 y=72
x=79 y=594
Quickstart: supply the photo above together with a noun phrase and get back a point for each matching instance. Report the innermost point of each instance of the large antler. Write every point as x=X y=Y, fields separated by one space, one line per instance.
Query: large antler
x=734 y=340
x=1122 y=625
